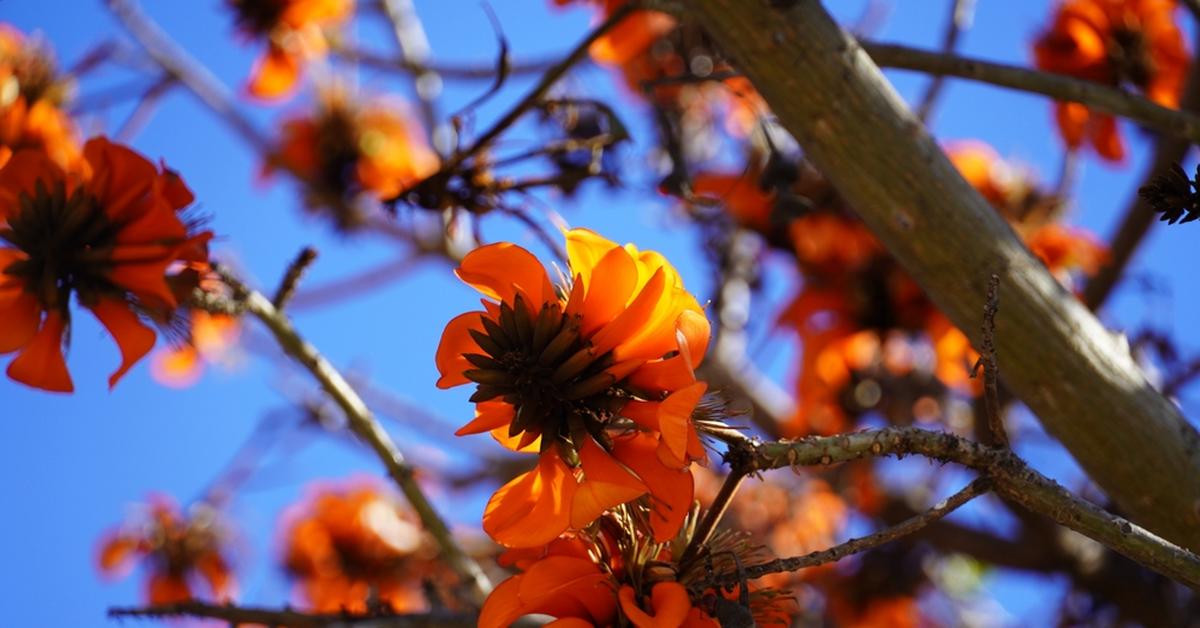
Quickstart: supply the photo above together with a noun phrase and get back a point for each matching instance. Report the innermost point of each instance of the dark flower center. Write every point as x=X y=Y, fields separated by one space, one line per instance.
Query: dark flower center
x=1129 y=56
x=542 y=367
x=258 y=16
x=68 y=240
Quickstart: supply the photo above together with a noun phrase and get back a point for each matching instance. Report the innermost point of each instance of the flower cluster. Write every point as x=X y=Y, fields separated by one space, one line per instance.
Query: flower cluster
x=31 y=97
x=177 y=550
x=1122 y=43
x=295 y=34
x=346 y=149
x=349 y=545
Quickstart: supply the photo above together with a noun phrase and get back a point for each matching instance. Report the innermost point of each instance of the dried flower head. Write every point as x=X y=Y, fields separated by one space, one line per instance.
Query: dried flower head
x=1174 y=195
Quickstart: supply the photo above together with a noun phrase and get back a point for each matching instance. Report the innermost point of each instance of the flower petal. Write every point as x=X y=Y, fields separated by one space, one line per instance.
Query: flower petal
x=499 y=270
x=535 y=507
x=456 y=340
x=133 y=337
x=275 y=74
x=40 y=363
x=606 y=484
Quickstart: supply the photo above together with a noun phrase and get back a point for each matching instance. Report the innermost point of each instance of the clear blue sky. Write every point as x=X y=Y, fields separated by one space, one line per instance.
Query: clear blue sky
x=70 y=465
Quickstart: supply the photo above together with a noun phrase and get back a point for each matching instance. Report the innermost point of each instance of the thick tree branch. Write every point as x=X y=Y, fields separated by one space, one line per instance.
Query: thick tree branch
x=1076 y=376
x=362 y=422
x=1011 y=478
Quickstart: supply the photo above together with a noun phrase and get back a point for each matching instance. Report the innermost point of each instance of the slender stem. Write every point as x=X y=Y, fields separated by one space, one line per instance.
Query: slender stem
x=1094 y=95
x=543 y=85
x=991 y=368
x=291 y=277
x=414 y=47
x=363 y=423
x=244 y=615
x=961 y=13
x=191 y=73
x=446 y=71
x=713 y=516
x=856 y=546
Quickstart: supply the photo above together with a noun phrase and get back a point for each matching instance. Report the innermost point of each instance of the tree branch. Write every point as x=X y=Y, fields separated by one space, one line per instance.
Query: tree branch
x=1096 y=96
x=1012 y=479
x=363 y=423
x=1077 y=377
x=856 y=546
x=236 y=615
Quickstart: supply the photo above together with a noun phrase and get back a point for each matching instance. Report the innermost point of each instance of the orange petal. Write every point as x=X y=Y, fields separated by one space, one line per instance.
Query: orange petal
x=20 y=176
x=644 y=413
x=535 y=507
x=167 y=589
x=585 y=249
x=1107 y=138
x=568 y=586
x=146 y=280
x=18 y=309
x=40 y=364
x=503 y=605
x=525 y=442
x=668 y=600
x=612 y=283
x=456 y=340
x=134 y=338
x=116 y=552
x=694 y=329
x=606 y=484
x=675 y=419
x=275 y=74
x=499 y=270
x=627 y=325
x=671 y=490
x=489 y=415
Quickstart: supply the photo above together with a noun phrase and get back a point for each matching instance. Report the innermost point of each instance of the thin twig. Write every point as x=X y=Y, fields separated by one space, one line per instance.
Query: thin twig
x=856 y=546
x=1013 y=479
x=446 y=71
x=239 y=615
x=291 y=277
x=414 y=48
x=145 y=108
x=713 y=516
x=961 y=14
x=1095 y=95
x=363 y=423
x=358 y=283
x=191 y=73
x=543 y=85
x=987 y=359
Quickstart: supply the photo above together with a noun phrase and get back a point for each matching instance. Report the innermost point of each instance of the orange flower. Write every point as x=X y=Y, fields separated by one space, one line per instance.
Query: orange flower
x=109 y=235
x=347 y=544
x=344 y=150
x=294 y=30
x=597 y=375
x=614 y=577
x=211 y=339
x=31 y=93
x=1133 y=43
x=177 y=551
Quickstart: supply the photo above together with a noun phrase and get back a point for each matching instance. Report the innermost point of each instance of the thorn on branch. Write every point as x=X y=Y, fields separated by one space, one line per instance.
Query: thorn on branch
x=291 y=278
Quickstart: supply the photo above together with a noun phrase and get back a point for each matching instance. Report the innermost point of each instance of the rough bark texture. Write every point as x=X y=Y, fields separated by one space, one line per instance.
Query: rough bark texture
x=1073 y=373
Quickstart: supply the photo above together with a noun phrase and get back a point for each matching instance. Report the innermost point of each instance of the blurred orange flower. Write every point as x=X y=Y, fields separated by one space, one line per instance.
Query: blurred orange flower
x=349 y=545
x=210 y=339
x=294 y=32
x=345 y=149
x=1134 y=43
x=178 y=551
x=109 y=235
x=596 y=374
x=31 y=95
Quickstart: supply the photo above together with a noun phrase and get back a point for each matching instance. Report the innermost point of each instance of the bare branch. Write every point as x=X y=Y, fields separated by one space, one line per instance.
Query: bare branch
x=363 y=423
x=1012 y=479
x=1079 y=379
x=1096 y=96
x=961 y=14
x=291 y=277
x=237 y=615
x=987 y=359
x=856 y=546
x=191 y=73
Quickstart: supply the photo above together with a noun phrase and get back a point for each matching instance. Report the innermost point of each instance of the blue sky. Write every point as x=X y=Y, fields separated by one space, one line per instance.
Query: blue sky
x=71 y=465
